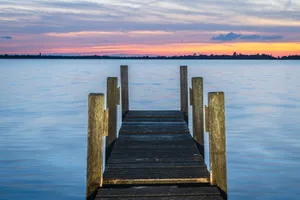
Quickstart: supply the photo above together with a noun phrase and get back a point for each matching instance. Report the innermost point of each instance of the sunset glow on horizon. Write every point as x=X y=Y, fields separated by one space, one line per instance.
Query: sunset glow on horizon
x=166 y=27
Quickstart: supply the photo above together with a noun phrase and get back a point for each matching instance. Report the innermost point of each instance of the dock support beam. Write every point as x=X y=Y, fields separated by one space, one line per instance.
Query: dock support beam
x=124 y=88
x=96 y=131
x=217 y=141
x=196 y=98
x=112 y=100
x=184 y=92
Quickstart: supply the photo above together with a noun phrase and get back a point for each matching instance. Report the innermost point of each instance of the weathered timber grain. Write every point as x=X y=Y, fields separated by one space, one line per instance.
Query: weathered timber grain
x=198 y=115
x=157 y=165
x=184 y=92
x=111 y=103
x=154 y=114
x=153 y=119
x=199 y=197
x=124 y=90
x=206 y=119
x=95 y=143
x=155 y=181
x=218 y=173
x=155 y=191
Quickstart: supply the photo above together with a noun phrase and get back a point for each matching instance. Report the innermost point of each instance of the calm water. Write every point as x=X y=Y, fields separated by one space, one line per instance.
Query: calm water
x=43 y=126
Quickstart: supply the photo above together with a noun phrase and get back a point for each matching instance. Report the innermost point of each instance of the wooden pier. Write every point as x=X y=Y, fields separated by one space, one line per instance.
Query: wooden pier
x=154 y=156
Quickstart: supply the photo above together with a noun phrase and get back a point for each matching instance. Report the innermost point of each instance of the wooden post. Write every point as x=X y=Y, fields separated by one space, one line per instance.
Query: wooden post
x=184 y=92
x=197 y=107
x=95 y=143
x=124 y=88
x=217 y=141
x=111 y=103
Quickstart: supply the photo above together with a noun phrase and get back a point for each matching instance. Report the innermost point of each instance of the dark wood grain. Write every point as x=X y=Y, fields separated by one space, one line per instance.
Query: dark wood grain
x=161 y=192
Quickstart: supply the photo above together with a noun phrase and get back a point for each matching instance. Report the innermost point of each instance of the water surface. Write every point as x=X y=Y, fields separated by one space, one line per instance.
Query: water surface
x=43 y=126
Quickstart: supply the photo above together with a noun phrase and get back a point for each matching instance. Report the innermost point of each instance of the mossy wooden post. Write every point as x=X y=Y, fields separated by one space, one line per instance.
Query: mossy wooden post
x=111 y=103
x=184 y=92
x=197 y=107
x=124 y=88
x=217 y=141
x=95 y=143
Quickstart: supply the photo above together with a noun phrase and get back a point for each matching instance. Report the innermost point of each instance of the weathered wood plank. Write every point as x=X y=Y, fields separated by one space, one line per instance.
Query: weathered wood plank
x=154 y=114
x=202 y=197
x=155 y=128
x=141 y=123
x=95 y=143
x=184 y=92
x=153 y=119
x=199 y=197
x=157 y=191
x=217 y=137
x=167 y=171
x=156 y=138
x=124 y=90
x=198 y=114
x=157 y=165
x=155 y=181
x=111 y=103
x=155 y=150
x=156 y=160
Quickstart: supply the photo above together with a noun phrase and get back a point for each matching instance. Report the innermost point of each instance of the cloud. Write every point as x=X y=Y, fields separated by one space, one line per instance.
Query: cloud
x=235 y=36
x=6 y=37
x=227 y=37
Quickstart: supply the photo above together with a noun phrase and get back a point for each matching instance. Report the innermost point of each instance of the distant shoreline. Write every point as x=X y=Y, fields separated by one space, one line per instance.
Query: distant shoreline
x=184 y=57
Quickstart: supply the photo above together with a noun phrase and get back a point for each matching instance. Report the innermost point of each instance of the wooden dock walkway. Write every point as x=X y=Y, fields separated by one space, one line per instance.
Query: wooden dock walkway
x=154 y=156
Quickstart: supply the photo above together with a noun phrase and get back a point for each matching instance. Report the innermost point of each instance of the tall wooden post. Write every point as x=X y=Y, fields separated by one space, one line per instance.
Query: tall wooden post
x=184 y=92
x=111 y=103
x=197 y=107
x=217 y=141
x=124 y=88
x=96 y=131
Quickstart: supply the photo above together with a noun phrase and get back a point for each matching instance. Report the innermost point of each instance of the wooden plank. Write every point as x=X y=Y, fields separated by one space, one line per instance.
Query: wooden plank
x=156 y=138
x=157 y=191
x=202 y=197
x=153 y=130
x=141 y=123
x=166 y=171
x=146 y=146
x=161 y=144
x=153 y=155
x=217 y=140
x=124 y=90
x=198 y=113
x=111 y=103
x=154 y=114
x=153 y=119
x=156 y=160
x=154 y=149
x=155 y=181
x=157 y=165
x=95 y=143
x=184 y=92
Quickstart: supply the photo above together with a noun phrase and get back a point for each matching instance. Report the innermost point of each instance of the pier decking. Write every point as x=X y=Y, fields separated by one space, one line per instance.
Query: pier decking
x=154 y=156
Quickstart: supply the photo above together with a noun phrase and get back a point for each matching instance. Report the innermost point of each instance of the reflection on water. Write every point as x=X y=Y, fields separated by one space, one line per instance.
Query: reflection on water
x=43 y=126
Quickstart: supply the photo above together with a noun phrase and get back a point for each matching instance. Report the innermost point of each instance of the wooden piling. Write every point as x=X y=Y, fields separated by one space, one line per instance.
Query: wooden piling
x=124 y=88
x=96 y=127
x=197 y=107
x=217 y=140
x=111 y=103
x=184 y=92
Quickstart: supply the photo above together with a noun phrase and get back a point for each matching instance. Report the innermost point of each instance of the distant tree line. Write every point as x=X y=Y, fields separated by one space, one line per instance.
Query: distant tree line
x=234 y=56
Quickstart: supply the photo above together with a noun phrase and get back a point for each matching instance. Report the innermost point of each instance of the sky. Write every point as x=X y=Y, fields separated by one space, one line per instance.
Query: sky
x=150 y=27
